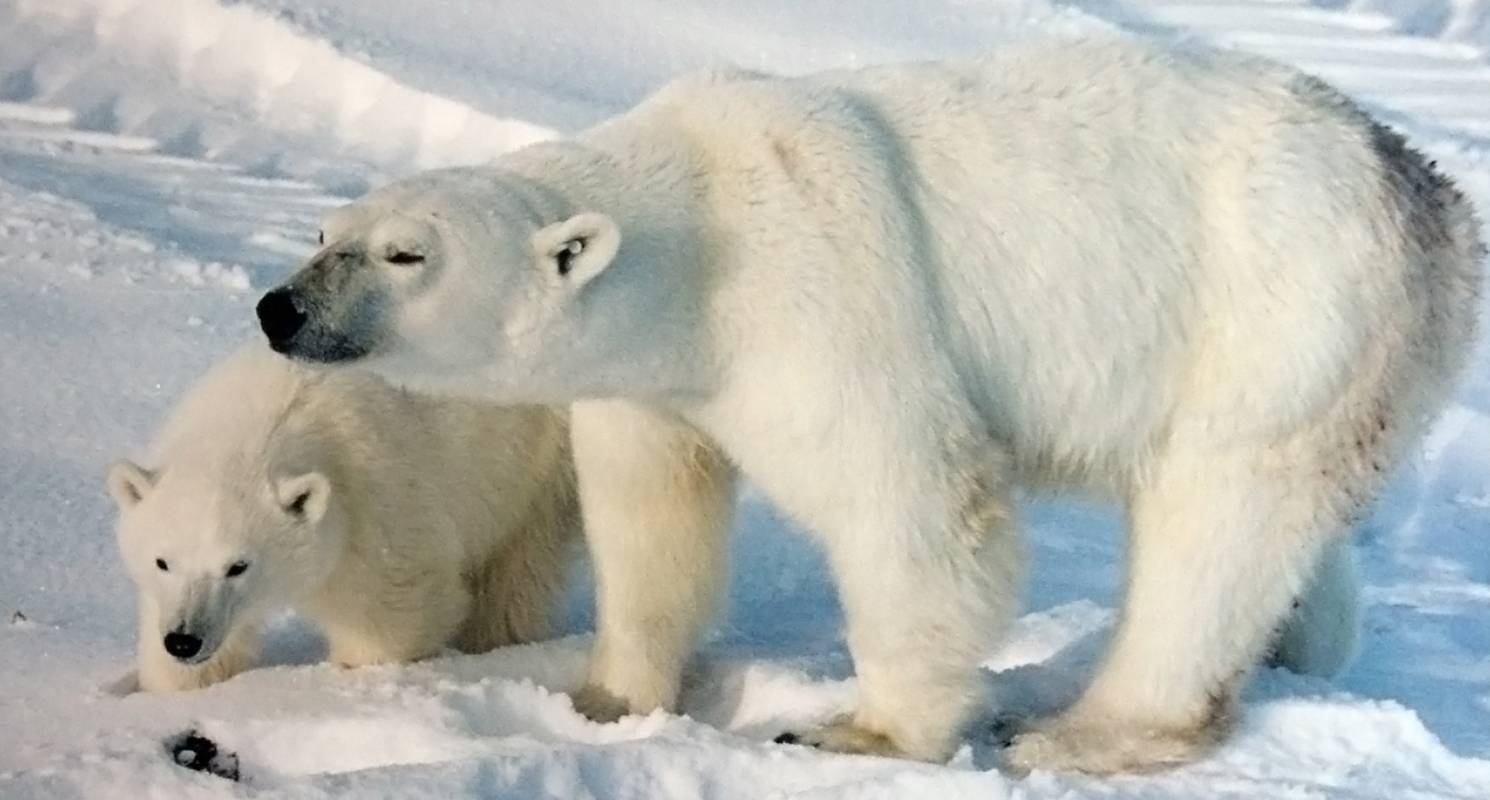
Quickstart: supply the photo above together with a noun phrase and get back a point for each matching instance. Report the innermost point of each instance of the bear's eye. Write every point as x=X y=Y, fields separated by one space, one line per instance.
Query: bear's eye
x=160 y=564
x=297 y=506
x=320 y=237
x=404 y=257
x=237 y=568
x=566 y=254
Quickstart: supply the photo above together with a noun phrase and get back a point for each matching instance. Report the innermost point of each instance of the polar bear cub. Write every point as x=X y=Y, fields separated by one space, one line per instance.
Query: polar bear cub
x=1195 y=283
x=397 y=523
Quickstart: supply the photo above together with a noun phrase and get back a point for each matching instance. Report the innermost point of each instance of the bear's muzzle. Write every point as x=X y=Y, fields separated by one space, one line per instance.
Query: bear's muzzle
x=280 y=317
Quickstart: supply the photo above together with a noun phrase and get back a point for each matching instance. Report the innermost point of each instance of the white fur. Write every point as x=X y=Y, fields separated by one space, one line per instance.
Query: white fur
x=420 y=522
x=1197 y=283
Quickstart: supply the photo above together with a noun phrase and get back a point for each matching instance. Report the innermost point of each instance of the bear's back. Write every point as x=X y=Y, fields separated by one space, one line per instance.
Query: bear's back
x=1047 y=126
x=1055 y=200
x=237 y=402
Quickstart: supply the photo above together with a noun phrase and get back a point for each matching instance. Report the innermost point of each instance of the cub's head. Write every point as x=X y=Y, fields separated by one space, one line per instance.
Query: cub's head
x=210 y=555
x=446 y=276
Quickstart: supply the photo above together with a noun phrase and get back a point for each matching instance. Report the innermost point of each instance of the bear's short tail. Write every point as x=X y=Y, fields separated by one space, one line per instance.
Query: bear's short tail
x=1440 y=225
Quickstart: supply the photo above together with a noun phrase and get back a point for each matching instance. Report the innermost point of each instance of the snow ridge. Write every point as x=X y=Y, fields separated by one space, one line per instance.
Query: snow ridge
x=215 y=81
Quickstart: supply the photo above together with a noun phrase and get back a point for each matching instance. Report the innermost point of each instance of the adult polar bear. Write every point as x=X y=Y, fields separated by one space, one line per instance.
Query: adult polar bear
x=1198 y=283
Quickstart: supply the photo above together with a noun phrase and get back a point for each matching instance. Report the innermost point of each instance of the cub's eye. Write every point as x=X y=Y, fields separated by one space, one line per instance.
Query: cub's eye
x=160 y=564
x=320 y=237
x=237 y=568
x=404 y=257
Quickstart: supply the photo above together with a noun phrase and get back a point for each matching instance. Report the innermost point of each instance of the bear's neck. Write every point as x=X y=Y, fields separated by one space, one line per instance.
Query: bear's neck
x=635 y=182
x=652 y=194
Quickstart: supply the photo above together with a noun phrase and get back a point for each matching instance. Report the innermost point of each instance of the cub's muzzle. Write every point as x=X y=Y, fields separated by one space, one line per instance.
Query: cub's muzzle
x=183 y=646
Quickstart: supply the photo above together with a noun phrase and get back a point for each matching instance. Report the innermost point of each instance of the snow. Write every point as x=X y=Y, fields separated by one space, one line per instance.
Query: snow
x=164 y=161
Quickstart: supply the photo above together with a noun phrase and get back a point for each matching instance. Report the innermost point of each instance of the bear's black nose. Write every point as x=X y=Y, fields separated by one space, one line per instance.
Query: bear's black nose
x=280 y=318
x=183 y=645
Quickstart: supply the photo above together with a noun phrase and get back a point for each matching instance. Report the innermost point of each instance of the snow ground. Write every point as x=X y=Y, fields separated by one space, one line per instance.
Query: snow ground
x=163 y=161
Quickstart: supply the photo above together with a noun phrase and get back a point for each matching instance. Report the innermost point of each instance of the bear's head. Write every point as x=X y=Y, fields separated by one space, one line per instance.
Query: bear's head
x=214 y=546
x=463 y=281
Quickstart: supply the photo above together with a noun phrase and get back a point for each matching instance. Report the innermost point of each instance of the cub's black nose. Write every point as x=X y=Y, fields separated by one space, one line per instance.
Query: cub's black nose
x=183 y=645
x=280 y=318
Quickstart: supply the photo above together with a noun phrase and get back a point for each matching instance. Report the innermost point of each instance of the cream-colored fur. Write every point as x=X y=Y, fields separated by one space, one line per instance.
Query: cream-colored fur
x=1196 y=283
x=397 y=523
x=666 y=498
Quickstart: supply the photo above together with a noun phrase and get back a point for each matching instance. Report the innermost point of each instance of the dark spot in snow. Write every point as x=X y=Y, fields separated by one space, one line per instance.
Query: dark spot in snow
x=196 y=752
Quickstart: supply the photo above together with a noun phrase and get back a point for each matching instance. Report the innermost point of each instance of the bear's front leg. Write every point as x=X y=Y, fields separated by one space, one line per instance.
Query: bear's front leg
x=657 y=501
x=919 y=530
x=396 y=610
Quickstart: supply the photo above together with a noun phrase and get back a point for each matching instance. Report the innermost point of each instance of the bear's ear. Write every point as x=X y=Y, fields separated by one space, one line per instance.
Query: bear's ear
x=304 y=497
x=129 y=483
x=578 y=248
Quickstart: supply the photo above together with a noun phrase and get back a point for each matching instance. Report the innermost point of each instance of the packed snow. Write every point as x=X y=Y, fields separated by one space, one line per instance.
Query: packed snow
x=164 y=161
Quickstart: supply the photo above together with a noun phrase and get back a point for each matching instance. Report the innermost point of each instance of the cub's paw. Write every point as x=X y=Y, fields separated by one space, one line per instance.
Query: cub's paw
x=124 y=685
x=1067 y=745
x=172 y=678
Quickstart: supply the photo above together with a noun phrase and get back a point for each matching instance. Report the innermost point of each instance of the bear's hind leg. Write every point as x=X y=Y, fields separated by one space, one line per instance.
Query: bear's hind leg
x=1323 y=629
x=1220 y=545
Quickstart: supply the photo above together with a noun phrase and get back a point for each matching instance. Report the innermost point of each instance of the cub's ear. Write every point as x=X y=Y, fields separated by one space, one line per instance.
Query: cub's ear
x=129 y=483
x=578 y=248
x=304 y=497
